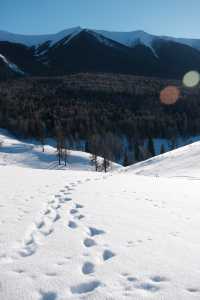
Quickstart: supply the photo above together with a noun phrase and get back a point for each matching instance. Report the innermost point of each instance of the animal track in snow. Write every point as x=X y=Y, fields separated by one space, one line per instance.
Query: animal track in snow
x=193 y=290
x=51 y=274
x=149 y=287
x=159 y=278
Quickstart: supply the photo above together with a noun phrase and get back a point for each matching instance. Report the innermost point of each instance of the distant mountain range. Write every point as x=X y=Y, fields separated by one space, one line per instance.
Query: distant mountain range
x=85 y=50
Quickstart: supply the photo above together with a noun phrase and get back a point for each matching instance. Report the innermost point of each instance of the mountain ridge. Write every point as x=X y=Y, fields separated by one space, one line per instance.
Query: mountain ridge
x=84 y=50
x=123 y=37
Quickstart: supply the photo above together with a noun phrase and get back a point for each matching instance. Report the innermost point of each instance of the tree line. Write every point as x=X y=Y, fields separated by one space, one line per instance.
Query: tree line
x=112 y=115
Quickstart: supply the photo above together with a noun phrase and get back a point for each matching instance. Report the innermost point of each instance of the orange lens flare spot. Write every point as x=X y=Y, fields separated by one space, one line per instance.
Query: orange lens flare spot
x=169 y=95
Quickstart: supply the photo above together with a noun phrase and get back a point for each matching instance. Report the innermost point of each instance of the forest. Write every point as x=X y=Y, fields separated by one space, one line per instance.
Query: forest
x=108 y=114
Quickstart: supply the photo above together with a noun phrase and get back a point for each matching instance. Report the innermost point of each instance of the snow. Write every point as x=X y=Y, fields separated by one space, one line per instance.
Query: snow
x=12 y=66
x=133 y=38
x=77 y=234
x=182 y=162
x=129 y=39
x=29 y=154
x=36 y=40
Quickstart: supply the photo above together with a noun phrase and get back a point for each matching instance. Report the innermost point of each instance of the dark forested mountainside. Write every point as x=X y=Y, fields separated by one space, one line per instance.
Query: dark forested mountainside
x=92 y=107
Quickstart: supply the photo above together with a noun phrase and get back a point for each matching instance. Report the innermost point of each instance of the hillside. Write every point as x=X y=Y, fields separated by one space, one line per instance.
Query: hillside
x=76 y=234
x=29 y=154
x=183 y=162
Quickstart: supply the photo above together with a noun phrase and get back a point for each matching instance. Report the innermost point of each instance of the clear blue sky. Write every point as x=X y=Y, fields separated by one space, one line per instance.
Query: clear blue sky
x=179 y=18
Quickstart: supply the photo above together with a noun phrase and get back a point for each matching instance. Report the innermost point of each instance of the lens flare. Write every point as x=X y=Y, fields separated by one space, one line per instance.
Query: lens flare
x=191 y=79
x=169 y=95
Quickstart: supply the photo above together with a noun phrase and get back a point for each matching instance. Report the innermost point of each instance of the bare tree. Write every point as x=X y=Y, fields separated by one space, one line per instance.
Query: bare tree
x=42 y=130
x=66 y=151
x=94 y=148
x=60 y=142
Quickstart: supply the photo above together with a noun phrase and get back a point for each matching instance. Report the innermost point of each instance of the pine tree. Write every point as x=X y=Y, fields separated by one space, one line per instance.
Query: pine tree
x=173 y=143
x=94 y=161
x=162 y=149
x=87 y=147
x=126 y=159
x=66 y=151
x=150 y=147
x=137 y=152
x=60 y=142
x=42 y=129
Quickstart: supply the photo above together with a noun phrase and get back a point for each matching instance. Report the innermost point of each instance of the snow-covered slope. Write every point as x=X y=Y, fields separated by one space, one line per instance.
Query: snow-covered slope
x=72 y=234
x=129 y=39
x=30 y=155
x=133 y=38
x=182 y=162
x=12 y=66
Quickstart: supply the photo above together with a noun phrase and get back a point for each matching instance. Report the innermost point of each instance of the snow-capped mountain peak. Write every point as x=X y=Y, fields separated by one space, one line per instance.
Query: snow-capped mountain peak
x=36 y=40
x=128 y=39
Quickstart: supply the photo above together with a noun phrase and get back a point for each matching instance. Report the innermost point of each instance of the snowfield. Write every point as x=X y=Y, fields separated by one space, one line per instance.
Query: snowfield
x=77 y=234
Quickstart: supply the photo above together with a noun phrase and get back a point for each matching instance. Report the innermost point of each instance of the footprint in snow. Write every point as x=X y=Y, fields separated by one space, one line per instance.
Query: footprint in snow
x=148 y=287
x=39 y=224
x=73 y=211
x=94 y=231
x=19 y=271
x=89 y=242
x=88 y=268
x=108 y=254
x=86 y=287
x=193 y=290
x=79 y=205
x=48 y=296
x=72 y=224
x=46 y=231
x=158 y=278
x=131 y=279
x=51 y=274
x=67 y=199
x=79 y=217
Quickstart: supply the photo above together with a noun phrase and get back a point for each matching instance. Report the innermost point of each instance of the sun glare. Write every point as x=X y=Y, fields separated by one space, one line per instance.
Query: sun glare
x=191 y=79
x=169 y=95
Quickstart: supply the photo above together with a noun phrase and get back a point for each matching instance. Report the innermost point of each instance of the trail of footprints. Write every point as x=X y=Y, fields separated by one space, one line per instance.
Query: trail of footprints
x=44 y=226
x=88 y=266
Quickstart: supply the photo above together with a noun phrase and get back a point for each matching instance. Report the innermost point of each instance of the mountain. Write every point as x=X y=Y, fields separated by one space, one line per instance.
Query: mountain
x=85 y=50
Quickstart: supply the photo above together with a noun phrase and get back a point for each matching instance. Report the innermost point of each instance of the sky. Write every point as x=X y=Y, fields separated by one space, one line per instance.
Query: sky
x=179 y=18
